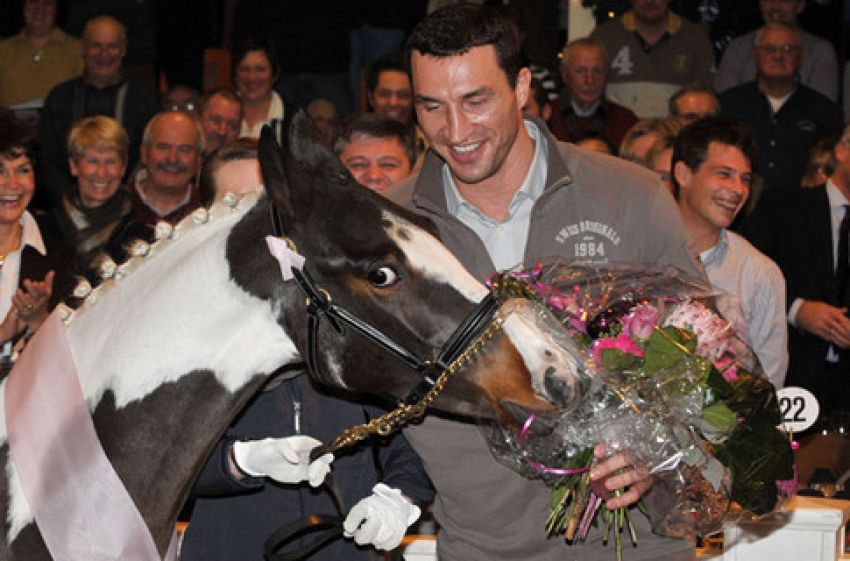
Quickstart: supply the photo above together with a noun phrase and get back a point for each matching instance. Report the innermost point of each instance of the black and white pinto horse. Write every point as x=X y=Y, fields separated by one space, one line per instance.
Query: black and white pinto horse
x=173 y=345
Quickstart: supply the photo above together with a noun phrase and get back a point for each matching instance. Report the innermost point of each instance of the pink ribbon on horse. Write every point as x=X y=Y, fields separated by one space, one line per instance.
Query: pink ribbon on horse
x=287 y=258
x=82 y=509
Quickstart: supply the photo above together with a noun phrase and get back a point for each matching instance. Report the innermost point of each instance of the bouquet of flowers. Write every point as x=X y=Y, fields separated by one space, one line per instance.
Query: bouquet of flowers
x=664 y=380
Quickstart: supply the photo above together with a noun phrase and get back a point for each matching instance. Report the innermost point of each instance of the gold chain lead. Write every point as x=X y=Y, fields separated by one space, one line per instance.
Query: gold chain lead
x=387 y=423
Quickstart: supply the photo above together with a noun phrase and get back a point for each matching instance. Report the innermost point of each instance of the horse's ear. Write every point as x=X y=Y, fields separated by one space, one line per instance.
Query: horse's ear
x=306 y=146
x=295 y=174
x=274 y=173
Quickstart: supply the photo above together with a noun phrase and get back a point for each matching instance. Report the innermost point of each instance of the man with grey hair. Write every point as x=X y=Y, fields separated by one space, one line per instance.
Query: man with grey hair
x=788 y=117
x=164 y=188
x=171 y=153
x=584 y=109
x=101 y=90
x=818 y=69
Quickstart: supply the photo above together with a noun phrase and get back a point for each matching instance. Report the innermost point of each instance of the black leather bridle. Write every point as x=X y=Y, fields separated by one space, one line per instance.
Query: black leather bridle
x=463 y=343
x=320 y=304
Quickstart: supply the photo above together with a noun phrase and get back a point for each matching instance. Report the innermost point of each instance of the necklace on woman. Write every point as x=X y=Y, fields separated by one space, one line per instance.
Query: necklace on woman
x=17 y=242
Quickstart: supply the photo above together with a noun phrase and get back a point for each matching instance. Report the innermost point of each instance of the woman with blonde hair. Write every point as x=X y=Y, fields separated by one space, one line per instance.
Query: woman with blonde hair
x=92 y=207
x=640 y=138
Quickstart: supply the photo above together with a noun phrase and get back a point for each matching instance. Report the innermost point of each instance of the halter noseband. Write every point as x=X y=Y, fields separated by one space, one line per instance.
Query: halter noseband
x=319 y=303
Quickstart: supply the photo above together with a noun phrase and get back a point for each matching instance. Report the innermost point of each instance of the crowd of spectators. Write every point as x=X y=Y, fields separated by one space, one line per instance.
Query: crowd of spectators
x=748 y=142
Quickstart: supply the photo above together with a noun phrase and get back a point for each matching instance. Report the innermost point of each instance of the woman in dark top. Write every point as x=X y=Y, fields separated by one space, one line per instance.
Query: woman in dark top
x=35 y=271
x=92 y=208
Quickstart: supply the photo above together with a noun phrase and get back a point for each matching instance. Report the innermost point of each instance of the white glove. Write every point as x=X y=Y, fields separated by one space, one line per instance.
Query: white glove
x=381 y=519
x=286 y=460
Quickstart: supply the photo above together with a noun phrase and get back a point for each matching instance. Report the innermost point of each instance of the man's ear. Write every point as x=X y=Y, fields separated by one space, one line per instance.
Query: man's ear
x=523 y=86
x=682 y=173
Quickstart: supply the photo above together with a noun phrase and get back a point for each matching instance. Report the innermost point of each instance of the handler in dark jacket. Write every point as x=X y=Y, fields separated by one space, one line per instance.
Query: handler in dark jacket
x=232 y=518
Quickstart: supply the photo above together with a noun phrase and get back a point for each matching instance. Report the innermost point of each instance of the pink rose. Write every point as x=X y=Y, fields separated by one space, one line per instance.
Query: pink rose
x=621 y=342
x=713 y=332
x=641 y=322
x=726 y=366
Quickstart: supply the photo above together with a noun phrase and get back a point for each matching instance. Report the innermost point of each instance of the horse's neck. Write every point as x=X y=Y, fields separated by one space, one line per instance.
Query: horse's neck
x=177 y=312
x=166 y=356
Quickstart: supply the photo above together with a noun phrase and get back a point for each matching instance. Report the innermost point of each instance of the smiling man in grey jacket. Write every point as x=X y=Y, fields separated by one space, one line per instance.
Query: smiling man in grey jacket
x=501 y=190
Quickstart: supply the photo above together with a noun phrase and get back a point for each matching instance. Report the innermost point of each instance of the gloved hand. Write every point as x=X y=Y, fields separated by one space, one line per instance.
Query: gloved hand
x=286 y=460
x=381 y=519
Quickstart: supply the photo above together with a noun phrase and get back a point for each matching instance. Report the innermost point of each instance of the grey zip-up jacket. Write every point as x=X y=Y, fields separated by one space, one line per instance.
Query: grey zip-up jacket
x=595 y=209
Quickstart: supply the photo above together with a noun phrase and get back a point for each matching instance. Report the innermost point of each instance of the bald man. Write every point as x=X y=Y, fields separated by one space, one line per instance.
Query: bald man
x=101 y=90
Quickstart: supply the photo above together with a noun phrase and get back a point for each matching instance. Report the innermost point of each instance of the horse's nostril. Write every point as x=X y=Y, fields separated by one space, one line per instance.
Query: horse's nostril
x=560 y=392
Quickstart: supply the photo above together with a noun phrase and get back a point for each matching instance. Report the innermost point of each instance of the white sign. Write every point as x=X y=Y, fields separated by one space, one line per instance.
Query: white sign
x=798 y=409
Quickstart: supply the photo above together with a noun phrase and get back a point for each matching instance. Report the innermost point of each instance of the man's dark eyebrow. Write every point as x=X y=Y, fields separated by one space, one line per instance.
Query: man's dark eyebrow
x=424 y=99
x=483 y=90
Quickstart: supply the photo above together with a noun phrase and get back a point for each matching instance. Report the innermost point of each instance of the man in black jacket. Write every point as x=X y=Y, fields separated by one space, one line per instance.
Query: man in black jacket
x=802 y=232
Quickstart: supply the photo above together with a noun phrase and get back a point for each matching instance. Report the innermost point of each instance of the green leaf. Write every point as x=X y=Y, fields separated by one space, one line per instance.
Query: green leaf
x=720 y=388
x=666 y=347
x=719 y=416
x=615 y=360
x=758 y=455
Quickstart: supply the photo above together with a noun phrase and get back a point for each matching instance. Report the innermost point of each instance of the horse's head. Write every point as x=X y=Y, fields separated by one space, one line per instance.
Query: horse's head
x=384 y=264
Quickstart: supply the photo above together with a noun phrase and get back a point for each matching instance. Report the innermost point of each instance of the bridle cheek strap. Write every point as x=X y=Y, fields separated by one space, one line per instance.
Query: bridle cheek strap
x=319 y=304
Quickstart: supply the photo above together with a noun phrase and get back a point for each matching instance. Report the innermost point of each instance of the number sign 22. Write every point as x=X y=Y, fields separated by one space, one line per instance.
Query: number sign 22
x=798 y=408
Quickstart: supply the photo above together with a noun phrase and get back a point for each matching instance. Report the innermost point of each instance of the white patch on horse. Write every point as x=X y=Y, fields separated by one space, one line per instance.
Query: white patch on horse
x=541 y=347
x=134 y=334
x=426 y=254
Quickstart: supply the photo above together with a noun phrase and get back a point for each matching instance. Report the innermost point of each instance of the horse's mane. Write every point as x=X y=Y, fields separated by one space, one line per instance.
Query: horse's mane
x=141 y=312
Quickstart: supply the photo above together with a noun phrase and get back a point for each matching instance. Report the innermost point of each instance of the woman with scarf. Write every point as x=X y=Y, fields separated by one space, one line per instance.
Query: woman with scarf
x=92 y=209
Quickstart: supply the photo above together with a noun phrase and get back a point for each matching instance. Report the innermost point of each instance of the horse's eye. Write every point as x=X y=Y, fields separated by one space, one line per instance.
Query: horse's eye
x=383 y=277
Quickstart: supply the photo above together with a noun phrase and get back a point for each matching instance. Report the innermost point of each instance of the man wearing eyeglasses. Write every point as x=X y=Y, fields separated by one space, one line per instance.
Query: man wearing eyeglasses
x=819 y=68
x=788 y=117
x=101 y=90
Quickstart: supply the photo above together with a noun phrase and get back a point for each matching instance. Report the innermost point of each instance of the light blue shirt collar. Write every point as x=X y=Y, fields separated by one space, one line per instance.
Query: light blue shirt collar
x=715 y=255
x=532 y=186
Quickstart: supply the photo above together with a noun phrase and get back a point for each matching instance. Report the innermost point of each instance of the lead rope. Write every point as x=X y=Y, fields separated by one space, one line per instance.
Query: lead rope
x=404 y=413
x=328 y=528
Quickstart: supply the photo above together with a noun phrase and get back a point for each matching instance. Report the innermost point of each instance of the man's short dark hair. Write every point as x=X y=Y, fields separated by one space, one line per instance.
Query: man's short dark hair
x=226 y=92
x=372 y=125
x=390 y=61
x=454 y=30
x=691 y=145
x=16 y=138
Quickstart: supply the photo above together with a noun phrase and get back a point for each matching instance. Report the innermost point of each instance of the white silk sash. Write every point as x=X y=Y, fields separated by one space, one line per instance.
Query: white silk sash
x=82 y=509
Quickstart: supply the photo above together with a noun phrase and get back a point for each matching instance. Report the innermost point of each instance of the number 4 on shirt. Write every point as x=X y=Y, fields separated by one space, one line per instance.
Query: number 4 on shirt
x=623 y=62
